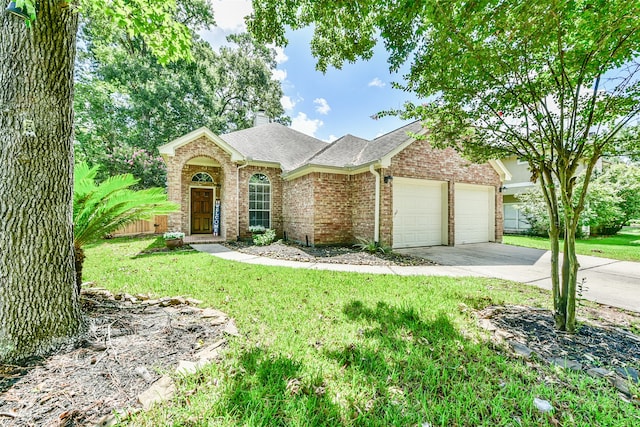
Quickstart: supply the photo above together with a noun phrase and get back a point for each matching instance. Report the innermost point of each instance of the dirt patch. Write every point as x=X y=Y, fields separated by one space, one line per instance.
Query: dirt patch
x=327 y=254
x=128 y=347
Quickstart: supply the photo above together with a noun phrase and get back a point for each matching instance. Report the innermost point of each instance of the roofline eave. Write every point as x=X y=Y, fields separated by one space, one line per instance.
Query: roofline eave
x=341 y=170
x=169 y=149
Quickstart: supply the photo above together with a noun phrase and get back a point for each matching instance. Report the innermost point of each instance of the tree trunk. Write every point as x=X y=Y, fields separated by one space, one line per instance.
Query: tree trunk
x=551 y=199
x=39 y=308
x=570 y=269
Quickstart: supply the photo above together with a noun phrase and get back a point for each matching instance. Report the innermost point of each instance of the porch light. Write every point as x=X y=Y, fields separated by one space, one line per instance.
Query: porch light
x=18 y=11
x=388 y=179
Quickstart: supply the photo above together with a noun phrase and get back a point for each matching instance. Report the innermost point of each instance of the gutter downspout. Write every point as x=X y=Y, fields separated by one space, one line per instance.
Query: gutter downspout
x=376 y=227
x=246 y=163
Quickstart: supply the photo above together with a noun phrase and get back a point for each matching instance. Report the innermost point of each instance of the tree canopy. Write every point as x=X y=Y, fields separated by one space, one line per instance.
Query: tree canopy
x=553 y=82
x=127 y=100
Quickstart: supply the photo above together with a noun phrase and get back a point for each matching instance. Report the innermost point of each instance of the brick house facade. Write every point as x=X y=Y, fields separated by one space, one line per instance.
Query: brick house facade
x=318 y=193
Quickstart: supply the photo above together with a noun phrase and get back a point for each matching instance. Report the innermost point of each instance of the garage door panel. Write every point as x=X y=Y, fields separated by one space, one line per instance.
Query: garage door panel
x=417 y=212
x=474 y=213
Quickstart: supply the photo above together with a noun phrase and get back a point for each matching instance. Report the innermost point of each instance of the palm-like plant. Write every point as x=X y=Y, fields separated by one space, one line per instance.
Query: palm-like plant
x=101 y=209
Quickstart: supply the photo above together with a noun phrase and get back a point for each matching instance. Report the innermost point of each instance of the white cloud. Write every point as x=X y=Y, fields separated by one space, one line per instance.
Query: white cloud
x=377 y=83
x=279 y=75
x=304 y=124
x=287 y=103
x=229 y=14
x=281 y=57
x=331 y=138
x=322 y=106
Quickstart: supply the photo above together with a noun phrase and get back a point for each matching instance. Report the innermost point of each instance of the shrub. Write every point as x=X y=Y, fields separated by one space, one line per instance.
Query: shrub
x=612 y=201
x=265 y=238
x=371 y=246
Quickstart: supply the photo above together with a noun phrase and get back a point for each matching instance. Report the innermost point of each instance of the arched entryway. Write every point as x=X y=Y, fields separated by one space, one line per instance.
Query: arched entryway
x=202 y=179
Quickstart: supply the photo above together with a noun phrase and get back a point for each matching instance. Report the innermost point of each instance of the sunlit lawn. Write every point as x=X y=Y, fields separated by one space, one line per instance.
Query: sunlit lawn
x=621 y=246
x=329 y=348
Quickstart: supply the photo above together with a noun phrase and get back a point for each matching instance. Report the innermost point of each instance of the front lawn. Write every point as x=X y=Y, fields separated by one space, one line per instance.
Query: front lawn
x=620 y=246
x=331 y=348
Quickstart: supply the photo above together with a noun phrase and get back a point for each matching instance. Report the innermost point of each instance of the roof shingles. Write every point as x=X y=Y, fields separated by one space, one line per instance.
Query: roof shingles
x=291 y=149
x=275 y=143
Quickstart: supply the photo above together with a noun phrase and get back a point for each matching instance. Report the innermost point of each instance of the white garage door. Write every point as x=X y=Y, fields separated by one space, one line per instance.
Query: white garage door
x=419 y=212
x=474 y=213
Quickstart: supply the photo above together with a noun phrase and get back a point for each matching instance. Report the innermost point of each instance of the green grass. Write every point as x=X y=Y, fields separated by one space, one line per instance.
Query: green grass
x=328 y=348
x=624 y=246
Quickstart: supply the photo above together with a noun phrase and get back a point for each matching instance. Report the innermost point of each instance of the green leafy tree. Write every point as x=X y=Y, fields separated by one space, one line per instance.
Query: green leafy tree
x=101 y=209
x=620 y=182
x=125 y=96
x=552 y=82
x=612 y=202
x=39 y=307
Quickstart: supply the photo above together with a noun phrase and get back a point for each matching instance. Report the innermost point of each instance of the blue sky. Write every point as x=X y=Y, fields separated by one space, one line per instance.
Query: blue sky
x=329 y=105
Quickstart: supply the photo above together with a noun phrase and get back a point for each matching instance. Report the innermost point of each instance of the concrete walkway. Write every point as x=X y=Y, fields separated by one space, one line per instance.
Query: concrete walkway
x=607 y=281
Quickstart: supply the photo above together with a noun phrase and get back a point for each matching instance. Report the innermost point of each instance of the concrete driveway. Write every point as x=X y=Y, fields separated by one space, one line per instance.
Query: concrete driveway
x=606 y=281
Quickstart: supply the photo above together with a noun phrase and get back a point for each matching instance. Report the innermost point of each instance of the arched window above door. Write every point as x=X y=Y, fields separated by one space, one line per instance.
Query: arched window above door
x=202 y=177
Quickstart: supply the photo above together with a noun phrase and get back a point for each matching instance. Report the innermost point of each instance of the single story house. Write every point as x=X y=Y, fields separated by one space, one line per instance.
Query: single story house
x=394 y=189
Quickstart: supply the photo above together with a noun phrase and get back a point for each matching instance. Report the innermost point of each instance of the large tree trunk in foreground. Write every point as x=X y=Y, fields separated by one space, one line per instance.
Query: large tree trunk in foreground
x=39 y=308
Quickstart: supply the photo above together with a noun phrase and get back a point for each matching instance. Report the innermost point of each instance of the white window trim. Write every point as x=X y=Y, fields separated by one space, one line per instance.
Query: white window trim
x=249 y=198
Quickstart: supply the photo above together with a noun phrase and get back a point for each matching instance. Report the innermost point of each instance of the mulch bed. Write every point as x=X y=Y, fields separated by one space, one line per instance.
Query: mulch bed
x=600 y=344
x=600 y=348
x=326 y=254
x=128 y=347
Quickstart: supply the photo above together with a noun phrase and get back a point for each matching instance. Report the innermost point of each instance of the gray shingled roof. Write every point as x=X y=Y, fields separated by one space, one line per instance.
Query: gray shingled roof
x=342 y=152
x=275 y=143
x=386 y=143
x=351 y=151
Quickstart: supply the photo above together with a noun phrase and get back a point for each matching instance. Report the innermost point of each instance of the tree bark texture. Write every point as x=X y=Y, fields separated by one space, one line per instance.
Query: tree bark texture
x=549 y=192
x=39 y=308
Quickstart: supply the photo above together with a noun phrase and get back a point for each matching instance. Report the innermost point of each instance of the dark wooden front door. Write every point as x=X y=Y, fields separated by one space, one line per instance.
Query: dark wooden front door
x=201 y=210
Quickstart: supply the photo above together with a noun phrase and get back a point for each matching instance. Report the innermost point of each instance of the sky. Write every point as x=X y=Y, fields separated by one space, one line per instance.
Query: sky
x=326 y=106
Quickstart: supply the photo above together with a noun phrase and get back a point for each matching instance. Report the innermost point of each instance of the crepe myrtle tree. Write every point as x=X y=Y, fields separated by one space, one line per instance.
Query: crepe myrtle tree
x=39 y=307
x=553 y=82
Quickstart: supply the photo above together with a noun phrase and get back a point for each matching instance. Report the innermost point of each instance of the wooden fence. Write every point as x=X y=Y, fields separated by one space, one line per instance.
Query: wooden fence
x=157 y=225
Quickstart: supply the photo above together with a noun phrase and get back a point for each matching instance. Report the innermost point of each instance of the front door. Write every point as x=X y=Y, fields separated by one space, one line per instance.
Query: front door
x=201 y=210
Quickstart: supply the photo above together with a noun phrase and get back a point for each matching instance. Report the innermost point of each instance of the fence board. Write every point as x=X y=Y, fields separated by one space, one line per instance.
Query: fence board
x=157 y=225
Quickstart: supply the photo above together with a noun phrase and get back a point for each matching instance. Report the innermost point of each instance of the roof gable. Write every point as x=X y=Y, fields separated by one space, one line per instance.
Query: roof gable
x=170 y=148
x=275 y=143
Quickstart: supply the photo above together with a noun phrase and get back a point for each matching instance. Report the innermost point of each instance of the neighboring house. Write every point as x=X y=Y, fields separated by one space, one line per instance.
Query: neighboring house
x=394 y=189
x=520 y=182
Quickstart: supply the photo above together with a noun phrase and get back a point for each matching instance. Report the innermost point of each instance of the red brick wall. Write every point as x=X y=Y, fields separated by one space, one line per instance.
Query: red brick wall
x=363 y=192
x=333 y=209
x=298 y=209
